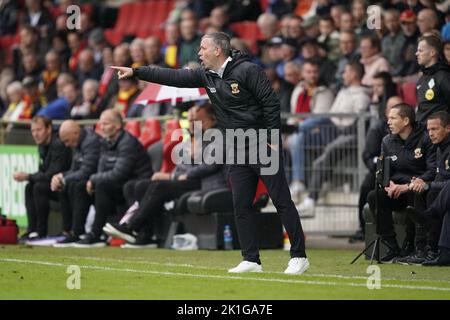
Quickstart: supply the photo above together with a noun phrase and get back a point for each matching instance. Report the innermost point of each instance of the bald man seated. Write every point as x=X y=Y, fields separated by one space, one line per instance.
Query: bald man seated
x=71 y=185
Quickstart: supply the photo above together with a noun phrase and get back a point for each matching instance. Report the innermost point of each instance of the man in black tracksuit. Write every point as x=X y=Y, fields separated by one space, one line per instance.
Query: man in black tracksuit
x=75 y=201
x=433 y=88
x=243 y=98
x=412 y=164
x=122 y=158
x=54 y=157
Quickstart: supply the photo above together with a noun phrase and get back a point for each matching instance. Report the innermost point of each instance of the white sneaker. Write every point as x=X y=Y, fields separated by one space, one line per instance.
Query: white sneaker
x=297 y=266
x=307 y=208
x=246 y=266
x=296 y=188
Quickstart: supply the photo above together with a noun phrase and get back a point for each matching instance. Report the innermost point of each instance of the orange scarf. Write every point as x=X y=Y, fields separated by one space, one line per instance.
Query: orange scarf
x=123 y=100
x=49 y=77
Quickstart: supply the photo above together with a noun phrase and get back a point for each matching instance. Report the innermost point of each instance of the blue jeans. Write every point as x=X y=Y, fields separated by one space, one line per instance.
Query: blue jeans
x=306 y=138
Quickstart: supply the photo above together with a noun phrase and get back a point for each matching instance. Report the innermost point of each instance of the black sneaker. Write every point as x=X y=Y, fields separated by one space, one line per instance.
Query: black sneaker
x=403 y=260
x=121 y=231
x=90 y=241
x=442 y=260
x=393 y=251
x=418 y=258
x=357 y=237
x=68 y=241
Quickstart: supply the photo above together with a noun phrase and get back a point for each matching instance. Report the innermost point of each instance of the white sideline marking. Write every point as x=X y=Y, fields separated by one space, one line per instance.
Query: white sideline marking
x=290 y=280
x=185 y=265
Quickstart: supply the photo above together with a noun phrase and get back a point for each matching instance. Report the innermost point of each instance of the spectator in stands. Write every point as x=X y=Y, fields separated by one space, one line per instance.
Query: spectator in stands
x=128 y=92
x=281 y=7
x=54 y=157
x=292 y=76
x=71 y=184
x=412 y=156
x=36 y=15
x=272 y=53
x=372 y=150
x=329 y=37
x=438 y=126
x=311 y=49
x=60 y=107
x=284 y=25
x=427 y=21
x=268 y=25
x=30 y=67
x=87 y=69
x=219 y=19
x=8 y=17
x=309 y=96
x=371 y=58
x=122 y=158
x=411 y=34
x=170 y=47
x=383 y=88
x=59 y=44
x=295 y=29
x=76 y=46
x=97 y=43
x=337 y=132
x=88 y=108
x=15 y=94
x=336 y=12
x=239 y=10
x=32 y=98
x=137 y=52
x=189 y=42
x=163 y=187
x=393 y=42
x=152 y=47
x=53 y=68
x=347 y=46
x=433 y=93
x=288 y=53
x=311 y=27
x=346 y=22
x=359 y=10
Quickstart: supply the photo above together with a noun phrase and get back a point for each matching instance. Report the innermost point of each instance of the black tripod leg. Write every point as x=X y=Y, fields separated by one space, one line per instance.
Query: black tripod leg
x=364 y=251
x=376 y=248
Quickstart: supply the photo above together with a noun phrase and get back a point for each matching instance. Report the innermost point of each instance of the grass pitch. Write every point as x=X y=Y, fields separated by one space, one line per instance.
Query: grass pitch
x=115 y=273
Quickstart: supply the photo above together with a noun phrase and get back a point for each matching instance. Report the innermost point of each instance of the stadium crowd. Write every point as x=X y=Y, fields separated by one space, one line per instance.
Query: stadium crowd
x=321 y=56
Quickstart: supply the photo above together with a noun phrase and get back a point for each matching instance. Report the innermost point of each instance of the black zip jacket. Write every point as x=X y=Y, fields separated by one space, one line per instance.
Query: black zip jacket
x=413 y=157
x=85 y=157
x=374 y=139
x=122 y=160
x=433 y=91
x=53 y=158
x=243 y=98
x=443 y=164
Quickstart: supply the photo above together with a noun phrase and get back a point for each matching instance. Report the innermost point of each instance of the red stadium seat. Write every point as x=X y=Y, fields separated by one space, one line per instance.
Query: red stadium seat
x=409 y=94
x=151 y=132
x=133 y=127
x=168 y=145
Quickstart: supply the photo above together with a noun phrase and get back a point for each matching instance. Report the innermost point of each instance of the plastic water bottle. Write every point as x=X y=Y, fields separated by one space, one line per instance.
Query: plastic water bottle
x=227 y=238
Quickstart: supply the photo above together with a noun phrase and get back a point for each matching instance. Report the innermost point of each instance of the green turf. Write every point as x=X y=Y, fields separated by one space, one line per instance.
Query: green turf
x=114 y=273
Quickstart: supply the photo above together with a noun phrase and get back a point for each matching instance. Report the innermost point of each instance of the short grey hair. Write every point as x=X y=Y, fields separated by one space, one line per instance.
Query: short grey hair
x=221 y=40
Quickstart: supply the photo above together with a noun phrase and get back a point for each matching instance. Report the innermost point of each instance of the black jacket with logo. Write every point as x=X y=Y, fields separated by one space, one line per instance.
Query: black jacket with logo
x=433 y=91
x=85 y=157
x=413 y=157
x=442 y=164
x=53 y=158
x=243 y=98
x=122 y=160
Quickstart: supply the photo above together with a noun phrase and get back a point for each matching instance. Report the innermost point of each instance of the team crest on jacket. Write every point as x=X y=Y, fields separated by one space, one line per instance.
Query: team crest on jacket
x=234 y=88
x=418 y=153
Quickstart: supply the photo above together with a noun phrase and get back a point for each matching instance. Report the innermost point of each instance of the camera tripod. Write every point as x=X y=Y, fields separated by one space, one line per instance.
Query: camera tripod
x=381 y=178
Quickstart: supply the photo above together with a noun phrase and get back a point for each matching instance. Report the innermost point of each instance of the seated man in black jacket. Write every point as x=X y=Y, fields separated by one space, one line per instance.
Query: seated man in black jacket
x=122 y=158
x=54 y=157
x=412 y=163
x=71 y=185
x=164 y=187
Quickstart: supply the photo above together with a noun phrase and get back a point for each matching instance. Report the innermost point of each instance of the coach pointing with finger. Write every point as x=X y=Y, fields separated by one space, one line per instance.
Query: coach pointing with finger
x=243 y=98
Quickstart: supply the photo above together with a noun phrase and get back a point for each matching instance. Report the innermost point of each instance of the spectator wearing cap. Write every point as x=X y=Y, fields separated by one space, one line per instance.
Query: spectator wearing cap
x=311 y=50
x=371 y=58
x=272 y=53
x=408 y=50
x=427 y=20
x=311 y=27
x=393 y=41
x=329 y=37
x=347 y=46
x=288 y=53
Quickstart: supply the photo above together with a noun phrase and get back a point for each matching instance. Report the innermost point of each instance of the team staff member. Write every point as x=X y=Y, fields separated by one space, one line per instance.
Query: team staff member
x=411 y=155
x=75 y=201
x=433 y=88
x=242 y=98
x=54 y=157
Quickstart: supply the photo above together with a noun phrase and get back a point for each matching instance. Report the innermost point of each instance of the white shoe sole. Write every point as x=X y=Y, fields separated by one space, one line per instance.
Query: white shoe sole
x=132 y=246
x=113 y=232
x=64 y=245
x=302 y=269
x=94 y=245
